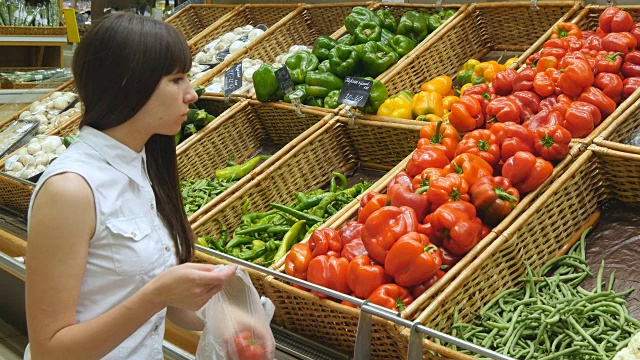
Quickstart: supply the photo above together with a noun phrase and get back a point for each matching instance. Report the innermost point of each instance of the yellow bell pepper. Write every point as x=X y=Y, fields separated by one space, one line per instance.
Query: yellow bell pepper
x=429 y=118
x=484 y=72
x=447 y=101
x=510 y=61
x=425 y=103
x=465 y=87
x=440 y=84
x=396 y=107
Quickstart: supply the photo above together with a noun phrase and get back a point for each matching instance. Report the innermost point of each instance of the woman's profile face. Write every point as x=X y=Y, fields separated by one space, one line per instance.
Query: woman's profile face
x=168 y=106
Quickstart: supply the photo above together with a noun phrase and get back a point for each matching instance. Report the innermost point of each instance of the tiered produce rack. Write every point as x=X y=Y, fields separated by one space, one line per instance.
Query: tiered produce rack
x=307 y=143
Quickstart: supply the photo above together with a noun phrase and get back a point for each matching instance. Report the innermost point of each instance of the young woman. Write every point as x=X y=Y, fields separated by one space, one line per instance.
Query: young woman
x=106 y=225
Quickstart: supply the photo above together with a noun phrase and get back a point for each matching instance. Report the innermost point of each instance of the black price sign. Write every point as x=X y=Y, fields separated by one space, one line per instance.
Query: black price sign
x=355 y=91
x=284 y=79
x=232 y=79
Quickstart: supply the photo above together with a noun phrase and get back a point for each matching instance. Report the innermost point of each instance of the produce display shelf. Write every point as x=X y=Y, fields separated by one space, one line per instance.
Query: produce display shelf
x=619 y=134
x=195 y=18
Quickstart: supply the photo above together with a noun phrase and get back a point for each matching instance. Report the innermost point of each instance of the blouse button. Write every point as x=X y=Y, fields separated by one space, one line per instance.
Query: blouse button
x=134 y=234
x=152 y=207
x=167 y=249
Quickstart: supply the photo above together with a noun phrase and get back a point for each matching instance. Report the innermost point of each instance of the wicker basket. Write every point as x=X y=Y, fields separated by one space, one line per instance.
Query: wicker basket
x=5 y=83
x=615 y=136
x=545 y=230
x=387 y=342
x=33 y=31
x=195 y=18
x=238 y=133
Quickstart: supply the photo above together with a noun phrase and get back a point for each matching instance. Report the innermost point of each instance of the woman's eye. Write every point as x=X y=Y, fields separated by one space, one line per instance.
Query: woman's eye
x=178 y=80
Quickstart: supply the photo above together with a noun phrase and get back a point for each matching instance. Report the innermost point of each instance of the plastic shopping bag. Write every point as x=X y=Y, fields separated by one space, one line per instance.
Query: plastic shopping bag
x=236 y=326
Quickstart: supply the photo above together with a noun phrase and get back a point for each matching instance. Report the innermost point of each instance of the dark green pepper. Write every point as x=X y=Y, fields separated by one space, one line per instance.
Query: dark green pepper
x=314 y=101
x=446 y=14
x=199 y=89
x=322 y=46
x=331 y=101
x=358 y=15
x=266 y=85
x=321 y=84
x=433 y=22
x=388 y=21
x=299 y=91
x=379 y=60
x=344 y=60
x=367 y=31
x=299 y=64
x=324 y=66
x=386 y=35
x=414 y=26
x=377 y=96
x=402 y=45
x=346 y=40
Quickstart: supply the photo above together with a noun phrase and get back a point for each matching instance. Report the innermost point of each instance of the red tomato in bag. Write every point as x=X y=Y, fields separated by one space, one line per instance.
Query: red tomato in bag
x=248 y=347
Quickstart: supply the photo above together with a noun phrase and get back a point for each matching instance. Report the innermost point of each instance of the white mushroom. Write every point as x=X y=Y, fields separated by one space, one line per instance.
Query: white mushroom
x=33 y=148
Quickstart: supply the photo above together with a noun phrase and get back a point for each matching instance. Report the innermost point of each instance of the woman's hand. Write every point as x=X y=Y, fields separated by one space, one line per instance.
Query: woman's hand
x=189 y=286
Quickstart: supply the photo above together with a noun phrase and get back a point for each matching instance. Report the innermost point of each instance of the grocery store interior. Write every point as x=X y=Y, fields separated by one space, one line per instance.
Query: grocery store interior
x=396 y=179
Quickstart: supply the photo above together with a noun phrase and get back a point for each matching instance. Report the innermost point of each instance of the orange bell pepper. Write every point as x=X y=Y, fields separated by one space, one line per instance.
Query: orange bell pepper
x=297 y=261
x=369 y=203
x=494 y=198
x=421 y=182
x=426 y=157
x=392 y=297
x=424 y=103
x=482 y=143
x=565 y=29
x=363 y=277
x=439 y=84
x=456 y=227
x=444 y=189
x=466 y=114
x=324 y=240
x=329 y=272
x=412 y=260
x=470 y=167
x=526 y=172
x=443 y=136
x=384 y=227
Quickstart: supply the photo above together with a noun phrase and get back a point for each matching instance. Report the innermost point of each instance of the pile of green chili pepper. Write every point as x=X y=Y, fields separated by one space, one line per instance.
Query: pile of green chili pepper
x=265 y=237
x=552 y=317
x=197 y=193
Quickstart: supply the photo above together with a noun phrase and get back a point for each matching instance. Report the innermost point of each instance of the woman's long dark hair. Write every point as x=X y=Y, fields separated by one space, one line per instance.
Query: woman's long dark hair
x=116 y=67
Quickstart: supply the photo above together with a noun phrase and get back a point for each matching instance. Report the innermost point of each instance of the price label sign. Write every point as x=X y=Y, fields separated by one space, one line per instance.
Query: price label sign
x=284 y=79
x=355 y=91
x=232 y=79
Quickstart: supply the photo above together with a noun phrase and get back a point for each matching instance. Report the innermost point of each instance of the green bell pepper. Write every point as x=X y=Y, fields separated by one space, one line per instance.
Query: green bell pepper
x=344 y=60
x=388 y=21
x=465 y=74
x=331 y=101
x=379 y=60
x=299 y=91
x=358 y=15
x=324 y=66
x=299 y=64
x=314 y=101
x=386 y=35
x=321 y=84
x=402 y=45
x=322 y=46
x=367 y=31
x=433 y=22
x=346 y=40
x=377 y=96
x=446 y=14
x=266 y=85
x=414 y=26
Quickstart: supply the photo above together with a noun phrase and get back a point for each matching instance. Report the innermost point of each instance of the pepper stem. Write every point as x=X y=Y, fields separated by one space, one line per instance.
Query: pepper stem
x=437 y=136
x=430 y=248
x=492 y=120
x=547 y=141
x=455 y=194
x=458 y=169
x=612 y=57
x=483 y=145
x=422 y=190
x=400 y=304
x=503 y=195
x=486 y=95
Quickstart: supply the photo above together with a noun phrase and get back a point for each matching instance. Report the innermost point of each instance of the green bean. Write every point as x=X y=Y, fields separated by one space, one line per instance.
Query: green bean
x=495 y=299
x=573 y=322
x=560 y=353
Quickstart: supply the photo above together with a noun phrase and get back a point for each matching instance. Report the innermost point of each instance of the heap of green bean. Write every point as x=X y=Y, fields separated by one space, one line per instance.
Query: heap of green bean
x=552 y=316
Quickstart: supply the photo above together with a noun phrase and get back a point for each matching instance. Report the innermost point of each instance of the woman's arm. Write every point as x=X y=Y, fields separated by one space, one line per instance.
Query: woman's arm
x=61 y=225
x=185 y=319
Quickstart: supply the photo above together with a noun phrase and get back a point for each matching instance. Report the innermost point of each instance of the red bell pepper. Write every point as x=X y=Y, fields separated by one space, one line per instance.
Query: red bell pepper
x=483 y=93
x=421 y=182
x=543 y=84
x=412 y=260
x=622 y=42
x=419 y=289
x=581 y=119
x=613 y=19
x=629 y=86
x=449 y=259
x=575 y=44
x=635 y=32
x=529 y=103
x=532 y=60
x=329 y=272
x=503 y=82
x=392 y=297
x=401 y=178
x=470 y=167
x=456 y=226
x=369 y=204
x=631 y=65
x=482 y=143
x=494 y=198
x=526 y=172
x=502 y=109
x=610 y=84
x=609 y=62
x=353 y=249
x=524 y=79
x=401 y=195
x=325 y=240
x=426 y=157
x=443 y=136
x=543 y=118
x=450 y=187
x=595 y=96
x=466 y=114
x=552 y=142
x=546 y=62
x=297 y=261
x=350 y=232
x=593 y=43
x=563 y=104
x=248 y=347
x=577 y=75
x=363 y=277
x=513 y=138
x=384 y=227
x=565 y=29
x=547 y=103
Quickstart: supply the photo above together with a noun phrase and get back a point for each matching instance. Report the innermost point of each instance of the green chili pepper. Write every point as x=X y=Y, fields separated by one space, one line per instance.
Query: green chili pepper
x=253 y=230
x=298 y=214
x=289 y=239
x=239 y=171
x=333 y=187
x=344 y=184
x=238 y=240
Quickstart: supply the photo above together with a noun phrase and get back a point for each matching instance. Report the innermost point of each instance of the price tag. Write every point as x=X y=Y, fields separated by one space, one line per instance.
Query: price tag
x=284 y=79
x=355 y=91
x=232 y=79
